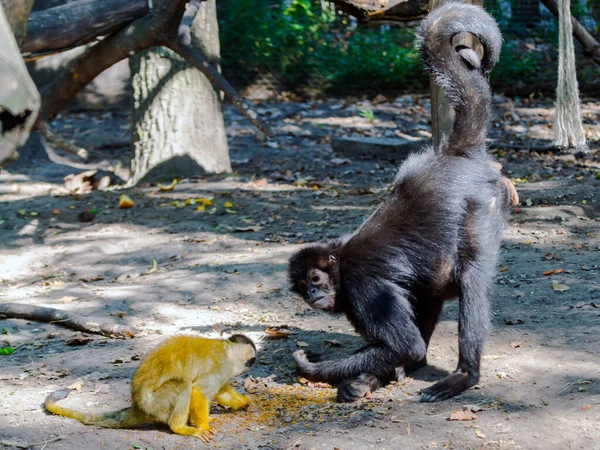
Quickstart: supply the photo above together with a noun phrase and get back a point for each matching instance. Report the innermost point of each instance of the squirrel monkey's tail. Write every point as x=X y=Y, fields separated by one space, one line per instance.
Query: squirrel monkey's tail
x=124 y=418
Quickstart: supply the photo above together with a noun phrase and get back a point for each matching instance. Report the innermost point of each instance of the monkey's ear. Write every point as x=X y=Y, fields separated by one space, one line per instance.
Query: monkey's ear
x=332 y=258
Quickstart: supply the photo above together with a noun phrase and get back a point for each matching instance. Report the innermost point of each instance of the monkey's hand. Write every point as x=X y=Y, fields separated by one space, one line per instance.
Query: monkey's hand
x=303 y=366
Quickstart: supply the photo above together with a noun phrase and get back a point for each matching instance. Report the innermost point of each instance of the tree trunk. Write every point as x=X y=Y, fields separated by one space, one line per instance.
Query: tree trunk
x=17 y=12
x=19 y=98
x=178 y=127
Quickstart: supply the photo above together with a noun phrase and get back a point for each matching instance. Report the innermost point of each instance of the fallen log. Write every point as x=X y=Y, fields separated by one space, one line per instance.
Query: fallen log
x=63 y=318
x=62 y=27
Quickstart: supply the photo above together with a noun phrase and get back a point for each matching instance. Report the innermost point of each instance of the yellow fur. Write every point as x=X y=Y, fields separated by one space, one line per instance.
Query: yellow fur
x=174 y=385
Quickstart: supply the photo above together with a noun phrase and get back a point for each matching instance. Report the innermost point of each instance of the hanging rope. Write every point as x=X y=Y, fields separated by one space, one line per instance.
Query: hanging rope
x=568 y=125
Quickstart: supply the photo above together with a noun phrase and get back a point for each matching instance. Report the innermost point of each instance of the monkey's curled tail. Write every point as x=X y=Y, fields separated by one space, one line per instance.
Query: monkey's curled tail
x=124 y=418
x=460 y=71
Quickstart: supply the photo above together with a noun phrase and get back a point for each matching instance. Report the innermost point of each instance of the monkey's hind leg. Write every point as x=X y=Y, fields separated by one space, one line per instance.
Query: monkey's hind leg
x=473 y=324
x=176 y=397
x=229 y=397
x=199 y=411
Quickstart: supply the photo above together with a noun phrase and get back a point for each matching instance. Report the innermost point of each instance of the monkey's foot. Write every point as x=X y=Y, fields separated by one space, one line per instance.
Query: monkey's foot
x=303 y=366
x=448 y=387
x=203 y=432
x=352 y=390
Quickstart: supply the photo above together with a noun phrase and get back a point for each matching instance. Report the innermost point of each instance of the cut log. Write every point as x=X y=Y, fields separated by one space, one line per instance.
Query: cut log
x=78 y=23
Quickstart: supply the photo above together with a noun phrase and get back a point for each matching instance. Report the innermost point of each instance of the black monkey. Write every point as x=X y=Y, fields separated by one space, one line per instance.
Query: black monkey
x=434 y=238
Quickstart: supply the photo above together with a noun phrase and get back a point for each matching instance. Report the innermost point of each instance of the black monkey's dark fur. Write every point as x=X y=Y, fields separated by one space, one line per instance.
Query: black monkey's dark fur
x=435 y=237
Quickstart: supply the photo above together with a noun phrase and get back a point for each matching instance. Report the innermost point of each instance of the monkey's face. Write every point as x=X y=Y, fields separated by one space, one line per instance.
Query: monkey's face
x=317 y=290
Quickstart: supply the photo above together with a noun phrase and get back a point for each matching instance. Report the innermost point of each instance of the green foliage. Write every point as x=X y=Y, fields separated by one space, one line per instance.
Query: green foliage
x=367 y=113
x=307 y=45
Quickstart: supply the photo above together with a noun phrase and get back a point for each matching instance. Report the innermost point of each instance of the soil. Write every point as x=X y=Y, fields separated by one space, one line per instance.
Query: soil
x=165 y=267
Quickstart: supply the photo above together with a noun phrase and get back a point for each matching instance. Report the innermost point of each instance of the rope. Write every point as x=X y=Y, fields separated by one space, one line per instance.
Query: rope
x=568 y=125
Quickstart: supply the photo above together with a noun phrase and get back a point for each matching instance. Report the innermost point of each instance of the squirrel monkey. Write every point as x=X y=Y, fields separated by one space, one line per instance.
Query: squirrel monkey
x=174 y=385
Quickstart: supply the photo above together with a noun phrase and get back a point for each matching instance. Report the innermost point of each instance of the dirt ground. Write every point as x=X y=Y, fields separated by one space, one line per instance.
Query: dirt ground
x=164 y=267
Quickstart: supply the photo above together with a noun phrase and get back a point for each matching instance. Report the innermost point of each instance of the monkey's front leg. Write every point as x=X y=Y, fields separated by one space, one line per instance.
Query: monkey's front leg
x=230 y=398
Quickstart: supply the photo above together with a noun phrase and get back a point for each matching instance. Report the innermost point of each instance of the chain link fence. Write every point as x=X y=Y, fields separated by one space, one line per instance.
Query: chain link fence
x=272 y=48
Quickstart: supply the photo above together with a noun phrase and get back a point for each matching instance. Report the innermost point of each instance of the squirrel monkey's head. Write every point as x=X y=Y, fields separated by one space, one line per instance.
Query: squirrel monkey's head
x=243 y=352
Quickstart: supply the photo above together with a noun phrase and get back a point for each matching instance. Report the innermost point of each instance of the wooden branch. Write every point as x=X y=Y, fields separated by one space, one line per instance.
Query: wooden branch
x=157 y=28
x=87 y=66
x=590 y=45
x=374 y=11
x=197 y=59
x=65 y=319
x=185 y=27
x=57 y=141
x=78 y=23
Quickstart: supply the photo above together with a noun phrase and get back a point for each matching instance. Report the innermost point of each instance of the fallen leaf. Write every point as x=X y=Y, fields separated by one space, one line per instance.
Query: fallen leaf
x=318 y=384
x=204 y=201
x=167 y=187
x=227 y=204
x=6 y=350
x=244 y=229
x=76 y=386
x=339 y=161
x=516 y=345
x=556 y=286
x=586 y=407
x=250 y=384
x=55 y=211
x=263 y=182
x=125 y=202
x=548 y=272
x=277 y=332
x=480 y=434
x=557 y=271
x=462 y=415
x=79 y=340
x=504 y=269
x=301 y=344
x=512 y=321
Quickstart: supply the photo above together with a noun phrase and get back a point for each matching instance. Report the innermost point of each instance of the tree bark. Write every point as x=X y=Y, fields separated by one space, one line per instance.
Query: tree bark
x=373 y=11
x=77 y=23
x=178 y=128
x=17 y=12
